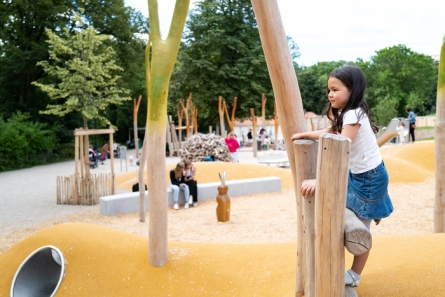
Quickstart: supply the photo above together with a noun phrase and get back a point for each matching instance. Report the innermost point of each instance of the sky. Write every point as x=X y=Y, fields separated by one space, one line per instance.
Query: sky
x=327 y=30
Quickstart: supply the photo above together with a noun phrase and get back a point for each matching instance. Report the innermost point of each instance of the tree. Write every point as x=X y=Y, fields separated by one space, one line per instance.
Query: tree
x=85 y=73
x=23 y=44
x=399 y=73
x=222 y=56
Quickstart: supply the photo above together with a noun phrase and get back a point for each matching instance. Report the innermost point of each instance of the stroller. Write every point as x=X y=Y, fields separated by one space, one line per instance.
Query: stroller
x=94 y=162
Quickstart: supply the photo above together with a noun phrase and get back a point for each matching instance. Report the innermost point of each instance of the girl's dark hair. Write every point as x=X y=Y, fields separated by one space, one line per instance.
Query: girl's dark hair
x=354 y=79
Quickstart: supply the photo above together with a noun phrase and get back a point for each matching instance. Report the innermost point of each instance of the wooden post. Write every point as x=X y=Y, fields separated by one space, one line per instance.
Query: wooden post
x=305 y=152
x=231 y=120
x=76 y=166
x=254 y=147
x=284 y=83
x=180 y=112
x=439 y=128
x=82 y=159
x=185 y=110
x=194 y=112
x=222 y=127
x=330 y=203
x=135 y=124
x=276 y=123
x=113 y=190
x=263 y=111
x=210 y=130
x=141 y=179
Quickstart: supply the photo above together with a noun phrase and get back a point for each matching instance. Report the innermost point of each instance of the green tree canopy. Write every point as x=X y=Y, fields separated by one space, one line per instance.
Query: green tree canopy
x=85 y=72
x=400 y=74
x=23 y=44
x=222 y=56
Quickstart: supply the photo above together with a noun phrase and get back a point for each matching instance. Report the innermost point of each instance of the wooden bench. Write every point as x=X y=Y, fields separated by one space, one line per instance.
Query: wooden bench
x=129 y=202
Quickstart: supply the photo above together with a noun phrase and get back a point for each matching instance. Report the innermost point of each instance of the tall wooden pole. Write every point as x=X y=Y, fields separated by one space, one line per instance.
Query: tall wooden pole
x=231 y=120
x=160 y=58
x=222 y=127
x=276 y=123
x=263 y=111
x=439 y=127
x=330 y=204
x=180 y=112
x=135 y=124
x=286 y=91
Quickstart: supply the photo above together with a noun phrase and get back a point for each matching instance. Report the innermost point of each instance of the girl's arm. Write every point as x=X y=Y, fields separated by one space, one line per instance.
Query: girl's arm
x=194 y=172
x=314 y=135
x=350 y=131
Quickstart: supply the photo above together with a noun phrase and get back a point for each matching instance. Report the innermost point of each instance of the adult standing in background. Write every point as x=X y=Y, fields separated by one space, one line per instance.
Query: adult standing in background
x=412 y=123
x=260 y=138
x=249 y=138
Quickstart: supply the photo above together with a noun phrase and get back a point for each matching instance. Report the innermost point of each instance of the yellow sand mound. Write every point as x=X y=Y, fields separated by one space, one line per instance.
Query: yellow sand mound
x=410 y=163
x=105 y=262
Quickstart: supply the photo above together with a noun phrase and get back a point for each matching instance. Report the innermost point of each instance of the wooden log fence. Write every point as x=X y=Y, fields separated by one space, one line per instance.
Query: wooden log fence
x=83 y=191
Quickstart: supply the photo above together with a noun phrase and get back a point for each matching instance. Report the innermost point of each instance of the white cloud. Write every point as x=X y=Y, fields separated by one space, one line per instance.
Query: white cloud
x=327 y=30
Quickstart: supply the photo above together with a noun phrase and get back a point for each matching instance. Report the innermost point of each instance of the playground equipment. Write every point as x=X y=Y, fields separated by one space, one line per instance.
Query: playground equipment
x=390 y=131
x=326 y=226
x=40 y=274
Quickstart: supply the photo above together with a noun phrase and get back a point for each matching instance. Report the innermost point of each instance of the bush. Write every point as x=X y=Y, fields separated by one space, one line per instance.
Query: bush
x=25 y=143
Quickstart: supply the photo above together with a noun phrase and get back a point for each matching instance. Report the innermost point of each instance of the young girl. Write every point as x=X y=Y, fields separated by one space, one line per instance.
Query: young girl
x=177 y=182
x=349 y=116
x=233 y=145
x=190 y=180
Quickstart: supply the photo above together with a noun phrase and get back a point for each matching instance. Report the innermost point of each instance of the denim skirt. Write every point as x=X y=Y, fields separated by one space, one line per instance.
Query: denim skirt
x=368 y=193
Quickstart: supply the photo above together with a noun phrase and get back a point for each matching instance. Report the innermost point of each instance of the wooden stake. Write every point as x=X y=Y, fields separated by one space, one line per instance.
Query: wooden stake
x=263 y=111
x=305 y=152
x=180 y=112
x=330 y=203
x=76 y=165
x=135 y=124
x=284 y=83
x=222 y=127
x=141 y=180
x=276 y=123
x=231 y=120
x=439 y=129
x=113 y=190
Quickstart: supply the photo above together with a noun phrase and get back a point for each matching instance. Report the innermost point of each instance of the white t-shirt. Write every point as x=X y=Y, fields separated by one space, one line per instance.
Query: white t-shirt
x=365 y=153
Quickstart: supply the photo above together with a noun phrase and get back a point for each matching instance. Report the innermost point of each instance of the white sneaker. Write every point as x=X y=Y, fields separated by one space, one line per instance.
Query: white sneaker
x=195 y=204
x=186 y=205
x=176 y=206
x=191 y=200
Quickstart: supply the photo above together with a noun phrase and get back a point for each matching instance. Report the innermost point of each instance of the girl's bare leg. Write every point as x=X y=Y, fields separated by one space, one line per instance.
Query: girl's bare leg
x=359 y=263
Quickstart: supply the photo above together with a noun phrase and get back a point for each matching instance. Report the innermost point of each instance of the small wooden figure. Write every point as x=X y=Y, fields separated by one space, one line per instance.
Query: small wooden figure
x=223 y=208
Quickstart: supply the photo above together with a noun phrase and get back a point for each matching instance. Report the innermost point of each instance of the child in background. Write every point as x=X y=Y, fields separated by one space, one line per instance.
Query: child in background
x=349 y=116
x=401 y=132
x=233 y=145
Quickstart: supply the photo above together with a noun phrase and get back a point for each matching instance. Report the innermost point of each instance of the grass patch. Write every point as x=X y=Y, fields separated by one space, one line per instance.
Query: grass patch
x=425 y=128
